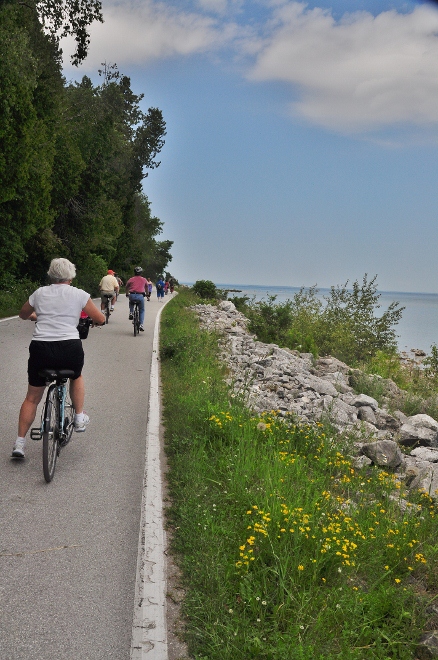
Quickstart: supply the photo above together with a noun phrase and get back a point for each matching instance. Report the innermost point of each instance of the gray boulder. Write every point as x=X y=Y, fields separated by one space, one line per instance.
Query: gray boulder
x=401 y=417
x=366 y=414
x=364 y=400
x=417 y=435
x=359 y=462
x=342 y=414
x=385 y=453
x=316 y=384
x=427 y=647
x=425 y=454
x=227 y=306
x=423 y=421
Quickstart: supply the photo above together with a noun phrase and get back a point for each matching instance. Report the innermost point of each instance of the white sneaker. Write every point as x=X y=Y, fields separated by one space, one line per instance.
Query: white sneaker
x=141 y=328
x=80 y=426
x=18 y=450
x=111 y=309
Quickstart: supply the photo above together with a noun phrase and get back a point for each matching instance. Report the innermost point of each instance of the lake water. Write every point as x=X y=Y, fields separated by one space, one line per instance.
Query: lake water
x=418 y=327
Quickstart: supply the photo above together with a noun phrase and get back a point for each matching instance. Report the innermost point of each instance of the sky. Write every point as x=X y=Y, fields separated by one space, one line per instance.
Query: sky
x=302 y=138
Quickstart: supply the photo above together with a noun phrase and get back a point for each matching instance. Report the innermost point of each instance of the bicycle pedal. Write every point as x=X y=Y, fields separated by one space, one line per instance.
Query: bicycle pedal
x=36 y=434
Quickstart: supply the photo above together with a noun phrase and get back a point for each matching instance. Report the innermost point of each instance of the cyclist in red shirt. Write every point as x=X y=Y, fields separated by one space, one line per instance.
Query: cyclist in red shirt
x=136 y=290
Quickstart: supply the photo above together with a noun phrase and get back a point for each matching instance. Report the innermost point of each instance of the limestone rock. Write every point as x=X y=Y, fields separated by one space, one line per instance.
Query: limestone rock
x=227 y=306
x=359 y=462
x=366 y=413
x=417 y=435
x=401 y=417
x=341 y=413
x=427 y=647
x=384 y=453
x=386 y=421
x=424 y=421
x=425 y=454
x=364 y=400
x=317 y=384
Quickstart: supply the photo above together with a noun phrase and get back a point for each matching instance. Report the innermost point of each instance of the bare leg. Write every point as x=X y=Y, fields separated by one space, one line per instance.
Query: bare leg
x=77 y=393
x=29 y=408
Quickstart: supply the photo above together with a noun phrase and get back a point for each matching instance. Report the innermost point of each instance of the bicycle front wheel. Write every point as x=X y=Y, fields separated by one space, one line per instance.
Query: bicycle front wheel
x=69 y=418
x=50 y=433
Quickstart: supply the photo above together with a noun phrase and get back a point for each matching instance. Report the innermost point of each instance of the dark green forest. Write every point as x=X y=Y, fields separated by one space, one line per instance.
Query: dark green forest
x=73 y=156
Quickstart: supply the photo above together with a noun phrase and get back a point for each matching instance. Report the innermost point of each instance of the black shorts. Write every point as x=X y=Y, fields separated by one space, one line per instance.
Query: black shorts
x=67 y=354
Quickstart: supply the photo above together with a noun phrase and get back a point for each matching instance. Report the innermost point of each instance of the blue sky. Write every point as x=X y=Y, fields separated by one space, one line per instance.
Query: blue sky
x=302 y=139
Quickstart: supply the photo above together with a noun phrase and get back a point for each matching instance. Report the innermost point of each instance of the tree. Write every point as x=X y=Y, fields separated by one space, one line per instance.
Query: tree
x=65 y=17
x=30 y=87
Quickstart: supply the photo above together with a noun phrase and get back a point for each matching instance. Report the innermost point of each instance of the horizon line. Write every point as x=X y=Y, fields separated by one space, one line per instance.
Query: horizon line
x=319 y=288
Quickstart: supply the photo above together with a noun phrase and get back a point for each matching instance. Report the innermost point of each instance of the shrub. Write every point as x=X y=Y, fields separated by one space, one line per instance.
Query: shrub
x=345 y=324
x=207 y=289
x=13 y=293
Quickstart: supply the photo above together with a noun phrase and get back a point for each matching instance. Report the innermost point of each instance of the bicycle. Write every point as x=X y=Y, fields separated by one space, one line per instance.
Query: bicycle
x=136 y=315
x=57 y=419
x=107 y=310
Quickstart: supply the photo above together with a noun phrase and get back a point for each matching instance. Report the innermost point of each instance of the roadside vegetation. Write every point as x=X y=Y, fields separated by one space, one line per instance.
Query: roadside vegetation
x=286 y=550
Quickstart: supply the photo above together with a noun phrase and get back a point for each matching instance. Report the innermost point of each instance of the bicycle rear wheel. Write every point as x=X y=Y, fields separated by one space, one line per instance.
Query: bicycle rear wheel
x=107 y=310
x=50 y=433
x=136 y=320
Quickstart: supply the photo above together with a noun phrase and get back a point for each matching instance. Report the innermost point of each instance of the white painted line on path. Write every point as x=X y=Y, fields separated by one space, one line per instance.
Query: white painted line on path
x=149 y=631
x=9 y=318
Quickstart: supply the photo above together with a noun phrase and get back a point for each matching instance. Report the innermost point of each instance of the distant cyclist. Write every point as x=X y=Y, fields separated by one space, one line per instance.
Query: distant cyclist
x=55 y=343
x=149 y=289
x=159 y=285
x=120 y=281
x=136 y=290
x=108 y=285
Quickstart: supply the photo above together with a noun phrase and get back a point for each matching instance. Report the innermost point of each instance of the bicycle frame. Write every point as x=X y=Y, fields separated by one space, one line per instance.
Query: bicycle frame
x=61 y=395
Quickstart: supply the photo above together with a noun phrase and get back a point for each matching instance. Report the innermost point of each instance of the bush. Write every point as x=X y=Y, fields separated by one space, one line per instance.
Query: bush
x=207 y=289
x=14 y=293
x=346 y=325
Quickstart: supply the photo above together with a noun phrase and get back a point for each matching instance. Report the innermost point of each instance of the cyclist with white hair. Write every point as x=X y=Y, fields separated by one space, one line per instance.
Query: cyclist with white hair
x=55 y=343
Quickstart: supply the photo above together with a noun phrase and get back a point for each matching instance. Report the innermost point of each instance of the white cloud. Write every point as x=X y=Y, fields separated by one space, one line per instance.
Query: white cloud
x=137 y=33
x=360 y=73
x=357 y=74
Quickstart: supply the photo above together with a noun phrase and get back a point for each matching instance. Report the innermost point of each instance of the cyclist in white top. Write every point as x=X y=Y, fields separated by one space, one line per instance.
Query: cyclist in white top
x=55 y=343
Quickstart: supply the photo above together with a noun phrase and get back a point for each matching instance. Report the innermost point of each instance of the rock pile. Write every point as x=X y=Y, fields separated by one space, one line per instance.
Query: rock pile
x=273 y=378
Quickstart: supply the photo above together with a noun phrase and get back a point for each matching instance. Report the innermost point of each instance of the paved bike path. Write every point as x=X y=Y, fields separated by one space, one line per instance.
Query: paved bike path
x=68 y=550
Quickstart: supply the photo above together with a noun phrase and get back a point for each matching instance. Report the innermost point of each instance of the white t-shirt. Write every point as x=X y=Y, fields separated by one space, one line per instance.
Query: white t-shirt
x=58 y=308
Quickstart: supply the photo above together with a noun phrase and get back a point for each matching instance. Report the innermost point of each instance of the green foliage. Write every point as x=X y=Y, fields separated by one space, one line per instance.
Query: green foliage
x=431 y=364
x=69 y=17
x=25 y=134
x=13 y=292
x=72 y=157
x=351 y=324
x=240 y=303
x=207 y=290
x=287 y=552
x=94 y=267
x=346 y=326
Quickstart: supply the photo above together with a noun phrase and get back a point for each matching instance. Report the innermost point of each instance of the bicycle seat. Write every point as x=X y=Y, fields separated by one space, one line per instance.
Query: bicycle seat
x=54 y=374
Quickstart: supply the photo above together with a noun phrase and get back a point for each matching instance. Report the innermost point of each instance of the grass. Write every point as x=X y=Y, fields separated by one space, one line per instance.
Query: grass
x=286 y=550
